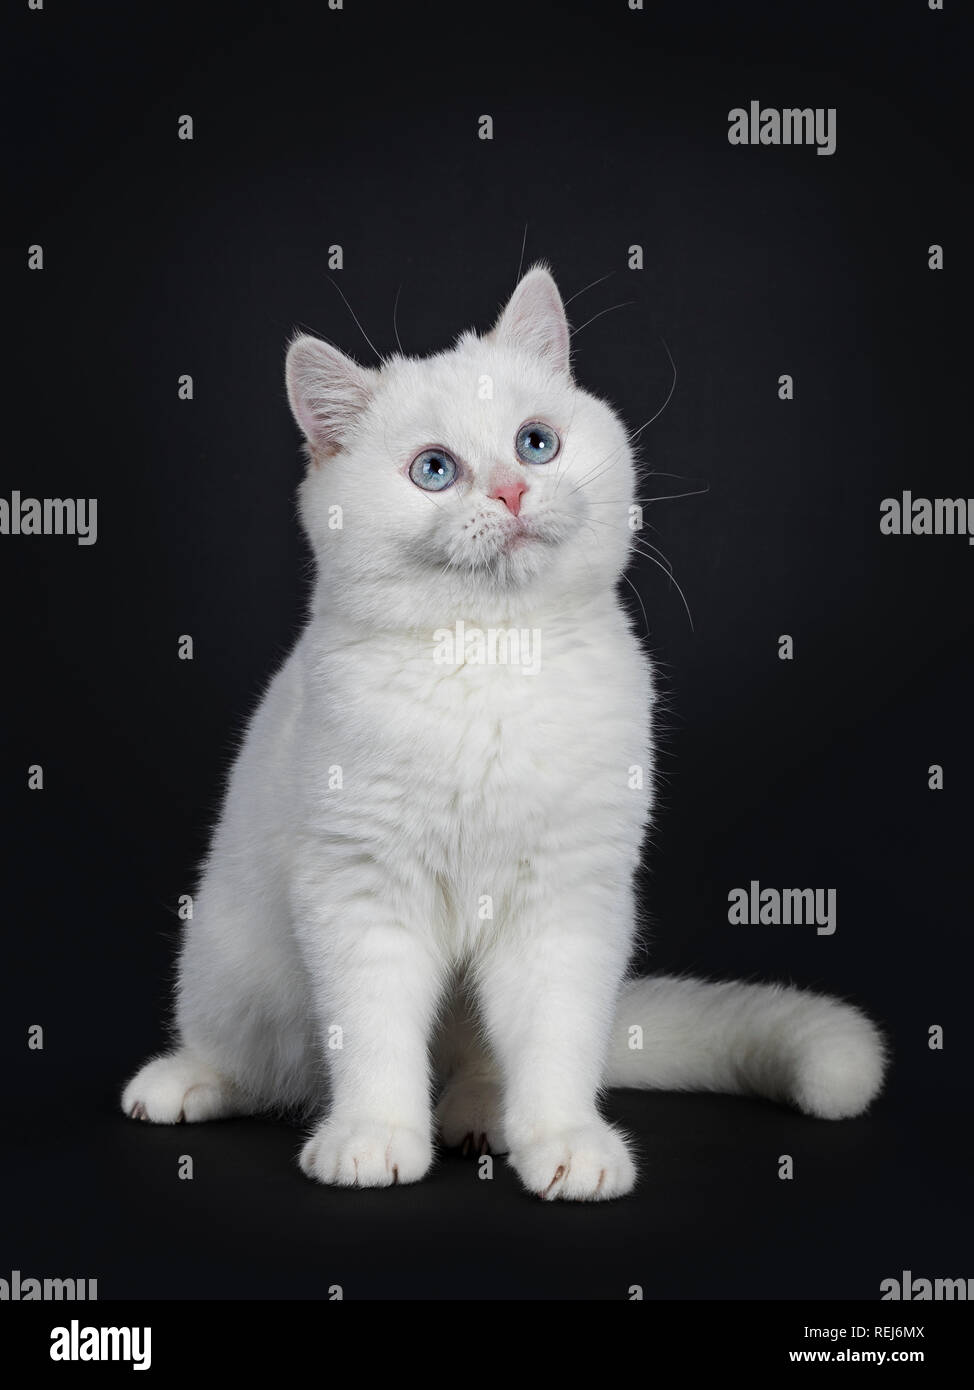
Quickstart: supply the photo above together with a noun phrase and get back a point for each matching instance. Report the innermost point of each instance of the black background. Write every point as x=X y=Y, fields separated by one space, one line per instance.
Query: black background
x=165 y=257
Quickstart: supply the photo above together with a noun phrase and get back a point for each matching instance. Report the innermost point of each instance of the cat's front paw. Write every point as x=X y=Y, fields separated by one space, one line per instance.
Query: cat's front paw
x=587 y=1163
x=366 y=1153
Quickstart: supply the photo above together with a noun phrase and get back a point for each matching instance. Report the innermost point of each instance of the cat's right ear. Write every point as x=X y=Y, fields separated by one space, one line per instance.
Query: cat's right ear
x=327 y=391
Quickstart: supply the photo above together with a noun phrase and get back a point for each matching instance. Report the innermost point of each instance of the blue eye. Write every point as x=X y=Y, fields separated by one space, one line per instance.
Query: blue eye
x=536 y=442
x=433 y=470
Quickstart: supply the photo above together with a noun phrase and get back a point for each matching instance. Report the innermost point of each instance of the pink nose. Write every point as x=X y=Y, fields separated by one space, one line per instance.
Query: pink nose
x=510 y=494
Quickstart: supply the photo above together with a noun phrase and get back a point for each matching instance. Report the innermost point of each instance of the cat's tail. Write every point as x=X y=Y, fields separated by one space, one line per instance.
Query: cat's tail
x=822 y=1055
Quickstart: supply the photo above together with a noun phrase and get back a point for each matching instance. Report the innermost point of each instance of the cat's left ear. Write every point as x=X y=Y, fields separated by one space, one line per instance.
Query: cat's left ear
x=534 y=321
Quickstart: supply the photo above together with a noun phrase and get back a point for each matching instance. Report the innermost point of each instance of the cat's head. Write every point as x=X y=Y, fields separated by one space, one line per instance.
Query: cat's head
x=479 y=479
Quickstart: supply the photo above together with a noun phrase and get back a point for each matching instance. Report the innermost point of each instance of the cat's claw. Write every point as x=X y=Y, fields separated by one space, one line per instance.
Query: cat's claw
x=178 y=1088
x=590 y=1163
x=469 y=1117
x=366 y=1153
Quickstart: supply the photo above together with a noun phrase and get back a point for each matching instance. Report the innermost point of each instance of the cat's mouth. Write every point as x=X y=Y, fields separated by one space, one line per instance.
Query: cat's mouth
x=507 y=549
x=519 y=539
x=520 y=534
x=516 y=541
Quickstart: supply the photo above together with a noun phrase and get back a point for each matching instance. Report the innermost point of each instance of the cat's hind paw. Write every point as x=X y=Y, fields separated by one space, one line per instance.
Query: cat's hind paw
x=179 y=1088
x=469 y=1116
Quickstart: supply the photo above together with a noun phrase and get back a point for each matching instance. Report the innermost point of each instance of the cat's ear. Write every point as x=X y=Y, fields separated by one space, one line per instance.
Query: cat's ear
x=534 y=321
x=327 y=391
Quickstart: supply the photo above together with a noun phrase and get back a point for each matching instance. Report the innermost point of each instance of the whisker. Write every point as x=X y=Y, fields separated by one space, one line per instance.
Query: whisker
x=673 y=581
x=650 y=552
x=675 y=496
x=595 y=473
x=602 y=467
x=645 y=547
x=584 y=556
x=559 y=469
x=639 y=598
x=637 y=540
x=355 y=317
x=395 y=325
x=524 y=242
x=624 y=305
x=661 y=497
x=668 y=398
x=589 y=287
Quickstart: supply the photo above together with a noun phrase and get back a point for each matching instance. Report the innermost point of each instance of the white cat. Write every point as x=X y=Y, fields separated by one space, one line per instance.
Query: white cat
x=423 y=869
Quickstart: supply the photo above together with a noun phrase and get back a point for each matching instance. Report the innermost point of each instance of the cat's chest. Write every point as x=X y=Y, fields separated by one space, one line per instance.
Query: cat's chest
x=470 y=771
x=473 y=748
x=476 y=736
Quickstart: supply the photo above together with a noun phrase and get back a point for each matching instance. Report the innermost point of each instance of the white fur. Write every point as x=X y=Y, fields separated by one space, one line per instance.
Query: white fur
x=360 y=907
